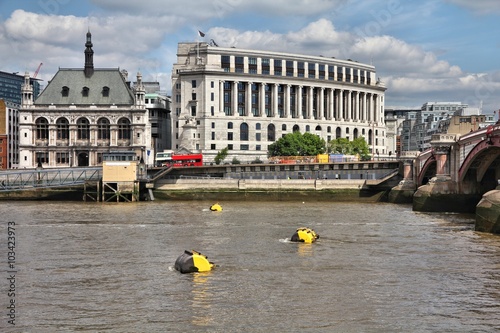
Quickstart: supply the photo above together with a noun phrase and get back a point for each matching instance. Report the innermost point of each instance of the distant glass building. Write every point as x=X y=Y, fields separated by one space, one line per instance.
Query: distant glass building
x=10 y=87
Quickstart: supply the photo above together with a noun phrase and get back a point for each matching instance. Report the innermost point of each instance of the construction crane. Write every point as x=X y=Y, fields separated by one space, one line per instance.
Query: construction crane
x=37 y=70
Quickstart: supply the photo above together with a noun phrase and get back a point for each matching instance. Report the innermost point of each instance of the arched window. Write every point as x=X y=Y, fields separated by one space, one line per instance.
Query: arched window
x=338 y=133
x=103 y=129
x=124 y=129
x=296 y=128
x=83 y=129
x=85 y=92
x=62 y=129
x=257 y=126
x=271 y=133
x=283 y=127
x=244 y=132
x=329 y=129
x=356 y=133
x=229 y=125
x=318 y=128
x=42 y=128
x=308 y=128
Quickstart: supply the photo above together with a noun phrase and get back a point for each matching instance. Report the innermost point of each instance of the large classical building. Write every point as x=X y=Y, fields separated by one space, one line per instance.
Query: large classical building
x=247 y=99
x=81 y=115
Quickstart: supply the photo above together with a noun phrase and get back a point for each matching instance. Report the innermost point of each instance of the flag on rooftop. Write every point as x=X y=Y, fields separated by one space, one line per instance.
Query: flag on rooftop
x=201 y=33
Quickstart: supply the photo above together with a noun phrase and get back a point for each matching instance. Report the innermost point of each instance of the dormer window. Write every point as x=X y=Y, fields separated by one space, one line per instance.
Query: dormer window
x=85 y=92
x=65 y=91
x=105 y=91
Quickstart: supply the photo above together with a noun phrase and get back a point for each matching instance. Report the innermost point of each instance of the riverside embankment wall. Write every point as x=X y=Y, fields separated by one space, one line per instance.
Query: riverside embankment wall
x=262 y=189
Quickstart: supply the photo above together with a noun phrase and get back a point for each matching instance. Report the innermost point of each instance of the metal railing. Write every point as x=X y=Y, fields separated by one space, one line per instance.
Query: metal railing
x=16 y=180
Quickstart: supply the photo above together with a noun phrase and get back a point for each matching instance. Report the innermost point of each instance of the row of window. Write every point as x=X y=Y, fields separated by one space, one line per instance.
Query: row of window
x=314 y=69
x=83 y=128
x=85 y=91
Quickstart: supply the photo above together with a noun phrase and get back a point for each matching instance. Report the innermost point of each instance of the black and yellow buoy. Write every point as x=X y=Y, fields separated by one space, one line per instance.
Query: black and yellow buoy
x=305 y=235
x=191 y=262
x=216 y=207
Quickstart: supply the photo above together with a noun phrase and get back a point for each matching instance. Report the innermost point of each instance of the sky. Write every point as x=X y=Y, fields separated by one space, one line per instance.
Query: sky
x=424 y=51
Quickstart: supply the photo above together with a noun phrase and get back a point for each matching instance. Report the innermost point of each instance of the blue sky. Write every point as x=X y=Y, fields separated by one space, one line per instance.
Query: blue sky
x=424 y=51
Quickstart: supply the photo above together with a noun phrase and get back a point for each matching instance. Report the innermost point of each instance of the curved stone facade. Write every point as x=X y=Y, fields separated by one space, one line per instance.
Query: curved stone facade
x=247 y=99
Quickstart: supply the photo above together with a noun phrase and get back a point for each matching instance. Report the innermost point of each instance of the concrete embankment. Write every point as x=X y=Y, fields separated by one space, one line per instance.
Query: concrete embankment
x=262 y=190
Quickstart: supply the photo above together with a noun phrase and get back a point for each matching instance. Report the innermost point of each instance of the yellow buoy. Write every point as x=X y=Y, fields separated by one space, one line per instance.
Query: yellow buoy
x=216 y=207
x=306 y=235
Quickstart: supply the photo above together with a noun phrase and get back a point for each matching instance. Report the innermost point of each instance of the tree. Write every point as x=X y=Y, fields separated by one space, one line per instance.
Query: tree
x=297 y=144
x=355 y=147
x=221 y=155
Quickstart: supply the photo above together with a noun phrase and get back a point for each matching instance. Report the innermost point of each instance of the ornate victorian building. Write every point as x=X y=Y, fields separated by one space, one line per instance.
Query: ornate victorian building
x=247 y=99
x=82 y=114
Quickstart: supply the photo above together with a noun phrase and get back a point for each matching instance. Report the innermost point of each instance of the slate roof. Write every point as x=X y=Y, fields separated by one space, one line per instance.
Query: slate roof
x=75 y=80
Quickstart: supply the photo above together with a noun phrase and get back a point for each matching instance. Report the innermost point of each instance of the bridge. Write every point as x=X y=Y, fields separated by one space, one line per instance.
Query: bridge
x=455 y=172
x=29 y=179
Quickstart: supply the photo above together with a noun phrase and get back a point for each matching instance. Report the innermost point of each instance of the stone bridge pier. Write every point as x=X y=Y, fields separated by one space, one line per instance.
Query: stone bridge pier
x=460 y=173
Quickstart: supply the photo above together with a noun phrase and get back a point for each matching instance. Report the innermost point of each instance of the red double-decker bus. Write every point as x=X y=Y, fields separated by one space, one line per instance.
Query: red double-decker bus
x=187 y=160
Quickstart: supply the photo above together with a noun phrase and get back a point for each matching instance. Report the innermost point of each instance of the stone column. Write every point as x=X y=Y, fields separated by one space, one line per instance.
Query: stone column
x=341 y=105
x=248 y=99
x=329 y=112
x=321 y=102
x=234 y=103
x=349 y=105
x=310 y=104
x=262 y=99
x=274 y=106
x=221 y=97
x=287 y=101
x=299 y=102
x=365 y=115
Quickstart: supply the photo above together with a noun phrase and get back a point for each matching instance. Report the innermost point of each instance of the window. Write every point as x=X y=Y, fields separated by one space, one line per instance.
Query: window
x=123 y=129
x=296 y=128
x=42 y=129
x=318 y=128
x=230 y=125
x=85 y=92
x=42 y=157
x=244 y=132
x=193 y=83
x=230 y=147
x=103 y=129
x=271 y=133
x=230 y=136
x=83 y=129
x=213 y=146
x=212 y=97
x=257 y=126
x=283 y=127
x=213 y=135
x=65 y=91
x=62 y=125
x=244 y=147
x=257 y=136
x=62 y=158
x=308 y=128
x=193 y=96
x=213 y=125
x=257 y=147
x=105 y=91
x=212 y=84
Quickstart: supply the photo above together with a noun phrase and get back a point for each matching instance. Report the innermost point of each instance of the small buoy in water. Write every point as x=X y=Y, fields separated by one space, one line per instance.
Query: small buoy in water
x=216 y=207
x=191 y=262
x=305 y=235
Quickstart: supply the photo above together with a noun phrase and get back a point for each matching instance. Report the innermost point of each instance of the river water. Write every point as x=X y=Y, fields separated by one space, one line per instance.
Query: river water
x=94 y=267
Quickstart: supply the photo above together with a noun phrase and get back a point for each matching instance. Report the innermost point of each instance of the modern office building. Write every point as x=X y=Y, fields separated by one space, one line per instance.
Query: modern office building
x=81 y=115
x=247 y=99
x=10 y=87
x=9 y=135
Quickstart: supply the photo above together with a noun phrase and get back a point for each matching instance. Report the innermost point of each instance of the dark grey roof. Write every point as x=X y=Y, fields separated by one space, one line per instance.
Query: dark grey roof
x=75 y=80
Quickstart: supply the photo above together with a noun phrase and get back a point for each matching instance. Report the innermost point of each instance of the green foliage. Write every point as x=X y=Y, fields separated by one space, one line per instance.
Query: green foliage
x=355 y=147
x=235 y=161
x=221 y=155
x=297 y=144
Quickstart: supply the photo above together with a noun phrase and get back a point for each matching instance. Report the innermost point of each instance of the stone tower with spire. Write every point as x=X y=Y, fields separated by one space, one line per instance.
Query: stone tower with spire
x=89 y=56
